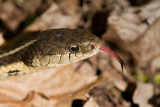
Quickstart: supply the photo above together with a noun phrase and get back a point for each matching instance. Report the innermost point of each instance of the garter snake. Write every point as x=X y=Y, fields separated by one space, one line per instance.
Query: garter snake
x=48 y=49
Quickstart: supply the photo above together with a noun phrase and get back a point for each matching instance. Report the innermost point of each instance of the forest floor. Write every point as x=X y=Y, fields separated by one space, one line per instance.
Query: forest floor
x=129 y=27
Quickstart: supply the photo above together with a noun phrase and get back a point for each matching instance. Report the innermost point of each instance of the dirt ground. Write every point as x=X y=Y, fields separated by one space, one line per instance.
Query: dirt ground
x=131 y=28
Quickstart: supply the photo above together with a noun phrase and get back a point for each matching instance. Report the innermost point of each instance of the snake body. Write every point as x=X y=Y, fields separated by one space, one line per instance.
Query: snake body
x=48 y=49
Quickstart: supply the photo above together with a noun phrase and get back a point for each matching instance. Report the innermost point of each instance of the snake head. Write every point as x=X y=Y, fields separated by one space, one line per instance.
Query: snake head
x=82 y=45
x=56 y=47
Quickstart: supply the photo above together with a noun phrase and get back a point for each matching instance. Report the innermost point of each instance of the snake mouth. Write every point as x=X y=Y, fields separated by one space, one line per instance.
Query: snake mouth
x=115 y=55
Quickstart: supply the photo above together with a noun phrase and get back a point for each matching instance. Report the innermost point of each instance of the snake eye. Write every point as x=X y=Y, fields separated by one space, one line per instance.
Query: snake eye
x=73 y=48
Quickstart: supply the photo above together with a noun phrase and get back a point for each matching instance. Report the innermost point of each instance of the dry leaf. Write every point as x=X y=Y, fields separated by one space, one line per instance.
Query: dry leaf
x=59 y=85
x=155 y=64
x=131 y=32
x=126 y=26
x=11 y=16
x=147 y=47
x=54 y=17
x=142 y=94
x=91 y=103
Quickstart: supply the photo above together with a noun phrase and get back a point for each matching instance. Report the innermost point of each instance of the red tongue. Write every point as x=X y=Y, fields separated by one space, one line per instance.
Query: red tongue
x=114 y=55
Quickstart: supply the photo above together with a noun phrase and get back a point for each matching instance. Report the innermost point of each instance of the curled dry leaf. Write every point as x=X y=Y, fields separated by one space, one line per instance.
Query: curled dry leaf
x=134 y=32
x=127 y=26
x=147 y=47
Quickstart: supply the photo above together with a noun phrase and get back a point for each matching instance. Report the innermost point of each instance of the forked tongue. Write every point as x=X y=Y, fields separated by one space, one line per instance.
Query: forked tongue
x=105 y=49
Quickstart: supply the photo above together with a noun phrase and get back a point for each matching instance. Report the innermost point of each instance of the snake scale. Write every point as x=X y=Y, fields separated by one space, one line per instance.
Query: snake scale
x=49 y=49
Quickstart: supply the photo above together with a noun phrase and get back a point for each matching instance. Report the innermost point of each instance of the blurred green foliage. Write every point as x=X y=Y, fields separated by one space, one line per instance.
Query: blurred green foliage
x=21 y=1
x=157 y=79
x=143 y=78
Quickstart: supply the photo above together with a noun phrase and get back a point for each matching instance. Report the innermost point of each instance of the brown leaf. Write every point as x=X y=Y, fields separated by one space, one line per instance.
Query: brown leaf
x=142 y=94
x=91 y=103
x=136 y=30
x=155 y=64
x=11 y=15
x=130 y=24
x=54 y=18
x=147 y=47
x=51 y=87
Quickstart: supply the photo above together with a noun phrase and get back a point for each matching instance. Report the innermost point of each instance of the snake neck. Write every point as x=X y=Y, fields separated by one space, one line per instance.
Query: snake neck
x=6 y=59
x=12 y=65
